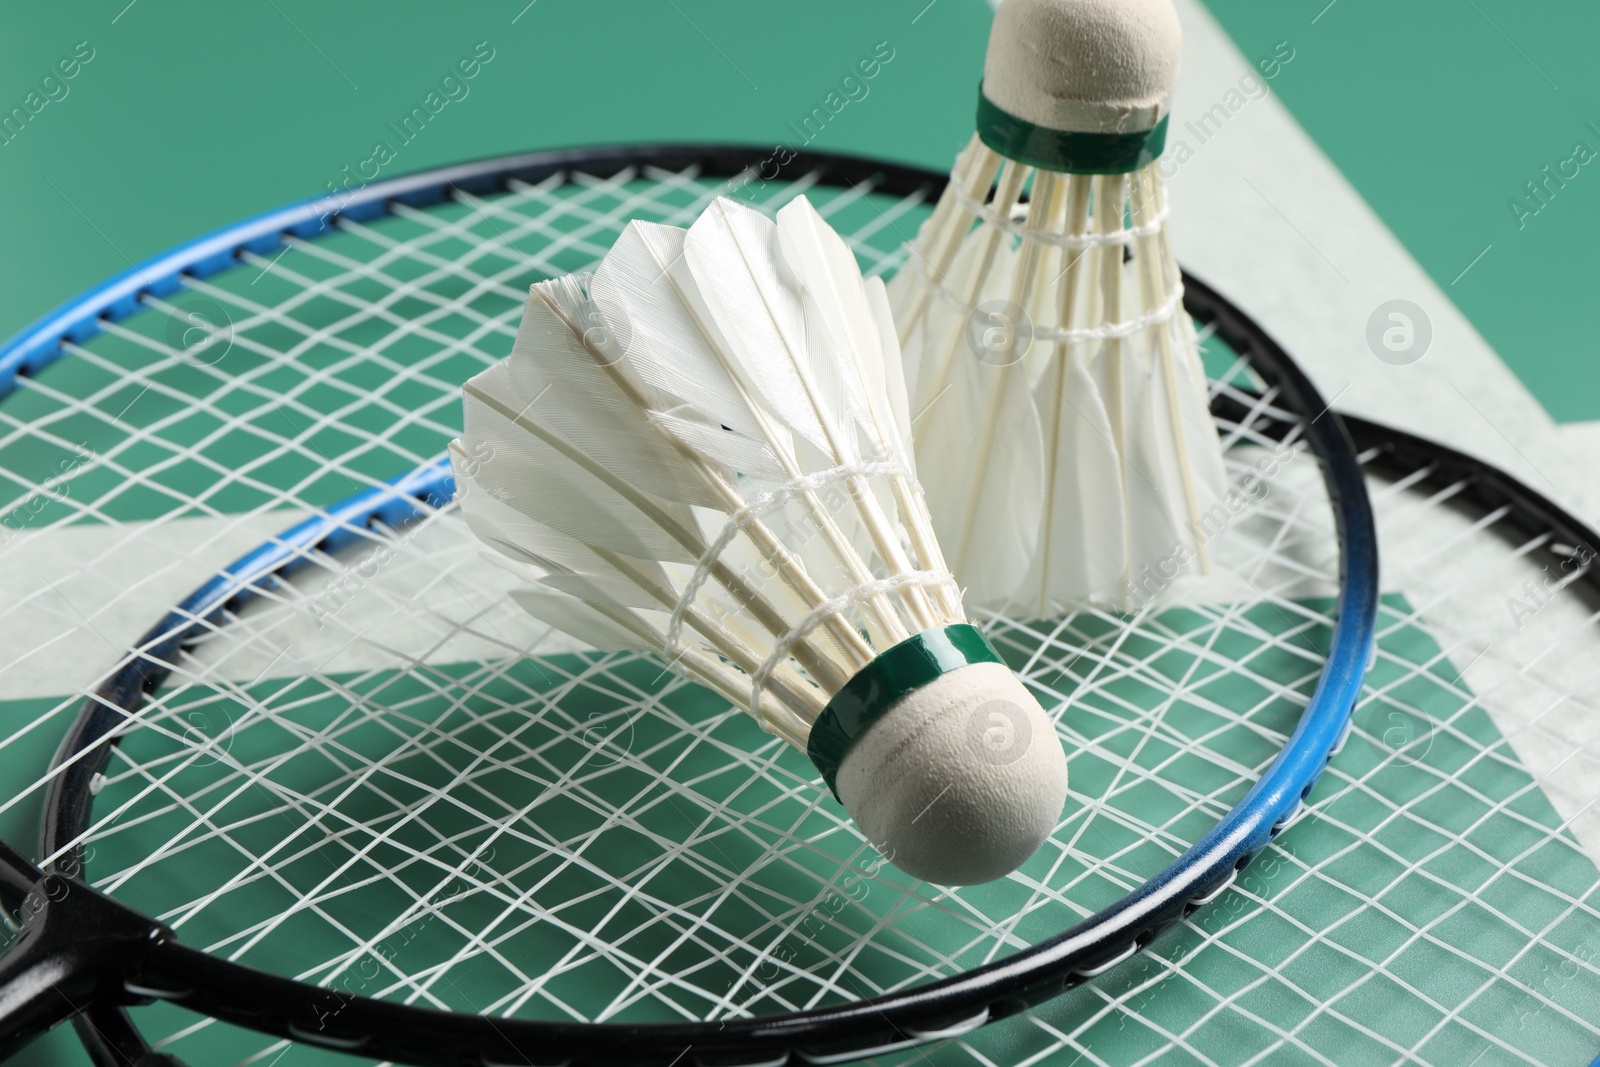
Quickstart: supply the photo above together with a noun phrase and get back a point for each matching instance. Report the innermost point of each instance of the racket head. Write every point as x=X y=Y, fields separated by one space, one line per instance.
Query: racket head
x=391 y=299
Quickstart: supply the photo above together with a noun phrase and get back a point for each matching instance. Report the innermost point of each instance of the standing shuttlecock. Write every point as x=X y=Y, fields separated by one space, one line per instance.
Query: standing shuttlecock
x=702 y=450
x=1060 y=408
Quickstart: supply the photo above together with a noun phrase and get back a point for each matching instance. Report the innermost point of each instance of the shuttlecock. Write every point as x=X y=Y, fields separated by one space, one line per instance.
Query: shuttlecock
x=1060 y=408
x=702 y=450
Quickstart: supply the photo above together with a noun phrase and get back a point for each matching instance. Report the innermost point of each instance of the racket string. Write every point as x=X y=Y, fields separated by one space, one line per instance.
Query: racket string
x=383 y=774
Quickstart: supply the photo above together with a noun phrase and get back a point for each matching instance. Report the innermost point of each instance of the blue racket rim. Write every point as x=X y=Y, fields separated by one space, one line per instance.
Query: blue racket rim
x=933 y=1010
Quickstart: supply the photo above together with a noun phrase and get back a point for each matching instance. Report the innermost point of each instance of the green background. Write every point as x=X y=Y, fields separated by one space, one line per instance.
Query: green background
x=1439 y=112
x=190 y=116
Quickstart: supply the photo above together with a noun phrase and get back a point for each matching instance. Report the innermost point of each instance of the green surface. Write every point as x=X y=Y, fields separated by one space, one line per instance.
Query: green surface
x=1441 y=113
x=1366 y=907
x=380 y=387
x=191 y=116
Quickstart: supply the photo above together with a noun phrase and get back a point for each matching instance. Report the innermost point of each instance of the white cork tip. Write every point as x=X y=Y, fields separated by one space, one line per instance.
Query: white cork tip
x=961 y=780
x=1084 y=66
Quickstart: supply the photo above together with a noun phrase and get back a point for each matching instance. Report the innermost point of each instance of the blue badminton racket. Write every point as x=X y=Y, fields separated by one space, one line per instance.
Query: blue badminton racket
x=344 y=796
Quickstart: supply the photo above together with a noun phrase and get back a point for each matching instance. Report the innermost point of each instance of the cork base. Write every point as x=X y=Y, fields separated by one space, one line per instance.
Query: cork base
x=961 y=780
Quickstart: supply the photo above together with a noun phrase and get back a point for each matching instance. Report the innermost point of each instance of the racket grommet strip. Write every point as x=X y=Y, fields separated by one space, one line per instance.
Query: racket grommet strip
x=1101 y=968
x=945 y=1031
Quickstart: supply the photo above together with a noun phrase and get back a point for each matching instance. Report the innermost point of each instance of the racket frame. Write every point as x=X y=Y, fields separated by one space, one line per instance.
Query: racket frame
x=164 y=968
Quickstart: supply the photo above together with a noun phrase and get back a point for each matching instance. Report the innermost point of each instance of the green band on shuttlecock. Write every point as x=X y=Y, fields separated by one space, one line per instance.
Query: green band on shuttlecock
x=1075 y=153
x=908 y=666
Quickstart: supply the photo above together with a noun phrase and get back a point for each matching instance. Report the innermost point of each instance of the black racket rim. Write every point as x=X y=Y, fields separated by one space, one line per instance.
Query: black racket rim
x=159 y=966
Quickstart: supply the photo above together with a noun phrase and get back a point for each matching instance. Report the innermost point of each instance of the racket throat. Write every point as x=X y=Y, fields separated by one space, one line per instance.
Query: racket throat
x=75 y=947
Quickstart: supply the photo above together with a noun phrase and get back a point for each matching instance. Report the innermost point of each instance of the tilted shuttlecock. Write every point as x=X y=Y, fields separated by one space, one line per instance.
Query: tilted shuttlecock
x=702 y=450
x=1060 y=408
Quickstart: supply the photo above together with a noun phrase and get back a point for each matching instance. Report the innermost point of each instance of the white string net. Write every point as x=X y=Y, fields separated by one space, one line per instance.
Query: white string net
x=385 y=778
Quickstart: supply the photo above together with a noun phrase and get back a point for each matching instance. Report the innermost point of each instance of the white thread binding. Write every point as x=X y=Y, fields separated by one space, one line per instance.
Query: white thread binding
x=1111 y=331
x=865 y=591
x=1074 y=241
x=1116 y=330
x=738 y=520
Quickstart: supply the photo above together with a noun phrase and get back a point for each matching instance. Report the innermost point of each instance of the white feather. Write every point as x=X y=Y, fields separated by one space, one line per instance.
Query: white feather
x=732 y=256
x=535 y=472
x=1167 y=470
x=847 y=334
x=726 y=447
x=691 y=379
x=568 y=391
x=1083 y=541
x=533 y=544
x=1132 y=465
x=644 y=290
x=894 y=378
x=836 y=301
x=979 y=450
x=578 y=619
x=609 y=590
